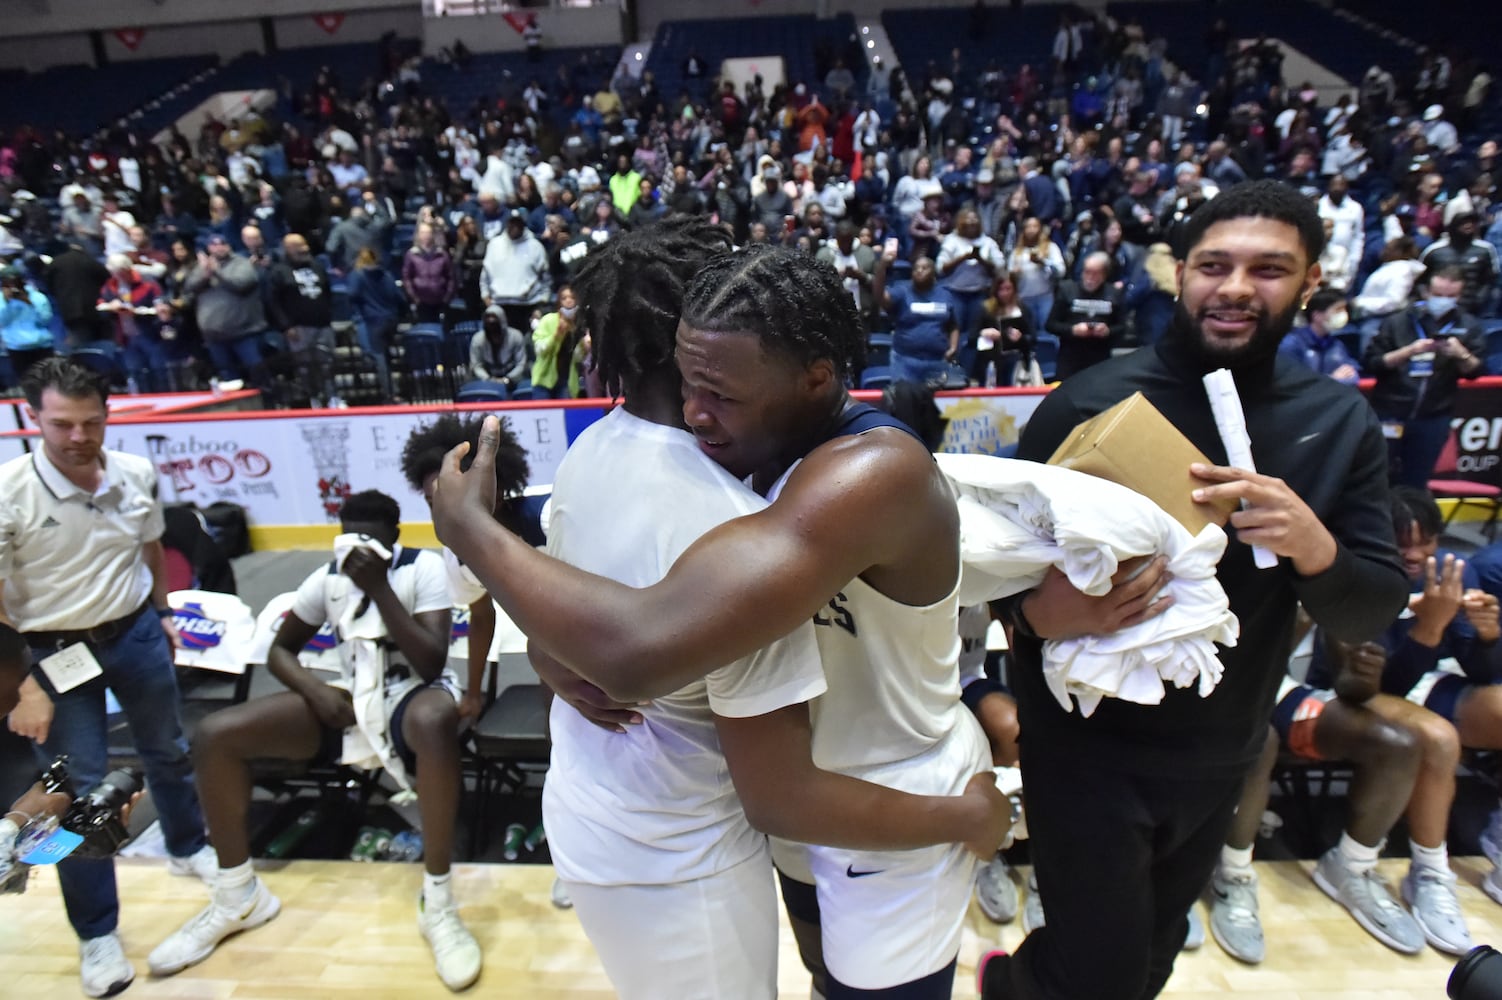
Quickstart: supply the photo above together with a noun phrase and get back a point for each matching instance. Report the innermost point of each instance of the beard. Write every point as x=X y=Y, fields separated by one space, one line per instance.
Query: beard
x=1185 y=332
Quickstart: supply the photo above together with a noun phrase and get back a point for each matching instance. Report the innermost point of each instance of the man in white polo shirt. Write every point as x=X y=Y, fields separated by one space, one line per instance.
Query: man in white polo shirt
x=84 y=580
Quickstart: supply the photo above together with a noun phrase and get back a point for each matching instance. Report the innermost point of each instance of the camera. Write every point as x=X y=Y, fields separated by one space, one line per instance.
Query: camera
x=91 y=827
x=1477 y=976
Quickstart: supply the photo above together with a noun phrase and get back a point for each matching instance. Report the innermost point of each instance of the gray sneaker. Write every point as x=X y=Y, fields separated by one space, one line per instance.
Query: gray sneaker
x=1032 y=907
x=1234 y=920
x=1491 y=837
x=1369 y=900
x=1430 y=894
x=996 y=892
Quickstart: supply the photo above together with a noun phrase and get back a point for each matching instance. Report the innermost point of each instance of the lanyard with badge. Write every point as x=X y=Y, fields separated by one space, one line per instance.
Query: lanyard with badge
x=1421 y=366
x=1421 y=370
x=70 y=667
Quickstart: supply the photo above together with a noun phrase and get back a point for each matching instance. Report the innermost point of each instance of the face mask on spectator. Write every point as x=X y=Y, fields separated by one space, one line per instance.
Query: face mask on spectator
x=1439 y=305
x=1337 y=319
x=567 y=312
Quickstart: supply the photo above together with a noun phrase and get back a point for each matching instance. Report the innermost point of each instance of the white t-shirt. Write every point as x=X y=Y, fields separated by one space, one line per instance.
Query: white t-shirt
x=464 y=591
x=420 y=586
x=655 y=805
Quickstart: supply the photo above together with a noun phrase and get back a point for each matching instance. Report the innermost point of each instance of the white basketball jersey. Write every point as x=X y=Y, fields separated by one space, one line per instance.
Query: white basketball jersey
x=655 y=805
x=894 y=688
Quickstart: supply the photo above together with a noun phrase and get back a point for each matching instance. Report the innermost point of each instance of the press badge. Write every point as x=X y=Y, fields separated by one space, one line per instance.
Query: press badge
x=70 y=666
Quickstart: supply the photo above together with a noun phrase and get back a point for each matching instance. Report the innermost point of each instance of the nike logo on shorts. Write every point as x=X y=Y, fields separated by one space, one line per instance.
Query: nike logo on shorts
x=852 y=873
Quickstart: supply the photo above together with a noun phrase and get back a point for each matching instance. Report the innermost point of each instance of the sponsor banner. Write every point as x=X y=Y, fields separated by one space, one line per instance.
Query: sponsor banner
x=1476 y=423
x=987 y=423
x=299 y=469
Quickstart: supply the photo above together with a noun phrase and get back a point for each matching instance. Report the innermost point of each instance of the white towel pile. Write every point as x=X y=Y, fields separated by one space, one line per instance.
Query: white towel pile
x=1019 y=518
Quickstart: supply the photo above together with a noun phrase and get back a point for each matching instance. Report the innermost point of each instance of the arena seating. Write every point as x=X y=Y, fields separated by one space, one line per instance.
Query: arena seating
x=796 y=39
x=80 y=99
x=1184 y=25
x=1013 y=37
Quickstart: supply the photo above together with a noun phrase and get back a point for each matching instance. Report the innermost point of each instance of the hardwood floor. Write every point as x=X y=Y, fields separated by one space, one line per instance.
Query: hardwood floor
x=348 y=930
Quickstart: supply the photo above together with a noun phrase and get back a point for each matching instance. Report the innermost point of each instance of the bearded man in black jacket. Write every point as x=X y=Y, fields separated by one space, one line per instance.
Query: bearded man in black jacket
x=1127 y=809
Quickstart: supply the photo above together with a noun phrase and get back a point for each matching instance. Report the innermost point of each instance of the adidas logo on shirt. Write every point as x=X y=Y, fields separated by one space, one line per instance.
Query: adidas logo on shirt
x=51 y=522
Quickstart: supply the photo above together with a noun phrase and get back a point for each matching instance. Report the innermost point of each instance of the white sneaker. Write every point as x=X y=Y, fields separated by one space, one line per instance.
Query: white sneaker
x=1430 y=895
x=104 y=969
x=560 y=895
x=456 y=953
x=202 y=864
x=197 y=939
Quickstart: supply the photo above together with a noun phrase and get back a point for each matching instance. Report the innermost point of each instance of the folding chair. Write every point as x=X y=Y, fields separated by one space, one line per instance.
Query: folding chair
x=508 y=742
x=1446 y=485
x=422 y=362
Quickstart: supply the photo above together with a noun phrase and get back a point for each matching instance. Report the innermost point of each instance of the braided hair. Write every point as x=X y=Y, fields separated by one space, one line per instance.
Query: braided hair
x=630 y=292
x=795 y=304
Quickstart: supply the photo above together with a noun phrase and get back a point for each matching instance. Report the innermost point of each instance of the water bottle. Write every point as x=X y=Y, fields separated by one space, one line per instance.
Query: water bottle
x=132 y=388
x=536 y=838
x=990 y=374
x=511 y=847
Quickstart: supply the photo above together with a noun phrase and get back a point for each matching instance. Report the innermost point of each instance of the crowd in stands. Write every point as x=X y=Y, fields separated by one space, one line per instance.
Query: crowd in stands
x=288 y=247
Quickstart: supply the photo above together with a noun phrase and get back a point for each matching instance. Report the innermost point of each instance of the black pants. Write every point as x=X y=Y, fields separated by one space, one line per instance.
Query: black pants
x=1119 y=859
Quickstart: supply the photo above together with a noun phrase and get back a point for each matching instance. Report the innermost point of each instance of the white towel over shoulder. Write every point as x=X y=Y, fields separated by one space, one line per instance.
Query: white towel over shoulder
x=1018 y=518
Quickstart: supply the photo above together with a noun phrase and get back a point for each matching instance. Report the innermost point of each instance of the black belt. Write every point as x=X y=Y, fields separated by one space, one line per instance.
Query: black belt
x=101 y=633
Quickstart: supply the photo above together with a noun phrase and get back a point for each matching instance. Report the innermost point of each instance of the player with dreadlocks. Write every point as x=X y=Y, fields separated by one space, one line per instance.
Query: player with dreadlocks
x=422 y=458
x=862 y=539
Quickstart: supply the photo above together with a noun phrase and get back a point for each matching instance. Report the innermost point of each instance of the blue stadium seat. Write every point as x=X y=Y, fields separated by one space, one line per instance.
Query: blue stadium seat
x=1046 y=350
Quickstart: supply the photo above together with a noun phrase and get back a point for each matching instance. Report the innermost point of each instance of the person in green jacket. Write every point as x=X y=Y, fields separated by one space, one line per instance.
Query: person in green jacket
x=557 y=338
x=625 y=184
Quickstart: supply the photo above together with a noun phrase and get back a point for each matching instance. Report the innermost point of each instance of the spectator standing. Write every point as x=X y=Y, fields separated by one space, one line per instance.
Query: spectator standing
x=131 y=299
x=1038 y=264
x=300 y=302
x=925 y=323
x=968 y=263
x=378 y=306
x=1087 y=317
x=1006 y=328
x=561 y=346
x=1348 y=216
x=24 y=317
x=429 y=276
x=854 y=262
x=515 y=274
x=1418 y=358
x=115 y=224
x=74 y=278
x=469 y=260
x=226 y=294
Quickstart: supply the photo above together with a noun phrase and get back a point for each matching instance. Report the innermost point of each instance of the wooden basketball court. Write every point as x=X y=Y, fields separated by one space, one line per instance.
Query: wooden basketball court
x=349 y=930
